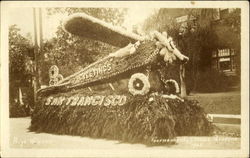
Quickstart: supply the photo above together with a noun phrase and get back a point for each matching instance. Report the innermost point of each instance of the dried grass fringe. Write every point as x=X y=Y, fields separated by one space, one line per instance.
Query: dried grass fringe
x=138 y=121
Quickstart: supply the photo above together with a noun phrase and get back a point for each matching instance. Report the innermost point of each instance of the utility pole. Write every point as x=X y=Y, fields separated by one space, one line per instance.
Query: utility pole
x=35 y=76
x=183 y=81
x=37 y=51
x=41 y=46
x=182 y=74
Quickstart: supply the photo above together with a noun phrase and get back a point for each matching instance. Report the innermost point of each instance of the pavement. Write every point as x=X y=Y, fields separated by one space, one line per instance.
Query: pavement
x=21 y=137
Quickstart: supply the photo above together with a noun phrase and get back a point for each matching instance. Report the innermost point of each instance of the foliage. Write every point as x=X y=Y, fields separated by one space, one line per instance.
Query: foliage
x=234 y=20
x=21 y=68
x=19 y=50
x=16 y=110
x=138 y=121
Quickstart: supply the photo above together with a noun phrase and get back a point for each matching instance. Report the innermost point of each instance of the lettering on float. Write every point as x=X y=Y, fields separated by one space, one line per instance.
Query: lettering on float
x=110 y=100
x=93 y=72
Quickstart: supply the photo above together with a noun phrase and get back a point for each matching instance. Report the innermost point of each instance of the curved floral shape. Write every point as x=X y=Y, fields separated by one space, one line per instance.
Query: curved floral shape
x=59 y=77
x=177 y=88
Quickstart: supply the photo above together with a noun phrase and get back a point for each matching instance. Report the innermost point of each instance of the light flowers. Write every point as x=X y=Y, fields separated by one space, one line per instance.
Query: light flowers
x=138 y=84
x=54 y=75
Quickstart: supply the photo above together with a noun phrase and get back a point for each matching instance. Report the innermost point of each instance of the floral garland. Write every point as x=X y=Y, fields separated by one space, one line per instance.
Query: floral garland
x=177 y=89
x=138 y=84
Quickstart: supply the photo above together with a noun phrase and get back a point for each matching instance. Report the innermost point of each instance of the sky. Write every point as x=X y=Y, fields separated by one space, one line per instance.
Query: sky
x=136 y=16
x=23 y=18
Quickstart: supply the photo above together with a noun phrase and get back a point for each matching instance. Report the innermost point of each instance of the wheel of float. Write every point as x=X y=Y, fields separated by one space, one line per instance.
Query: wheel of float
x=138 y=84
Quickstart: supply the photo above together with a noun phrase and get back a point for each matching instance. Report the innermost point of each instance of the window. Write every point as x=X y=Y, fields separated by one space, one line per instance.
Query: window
x=224 y=60
x=225 y=64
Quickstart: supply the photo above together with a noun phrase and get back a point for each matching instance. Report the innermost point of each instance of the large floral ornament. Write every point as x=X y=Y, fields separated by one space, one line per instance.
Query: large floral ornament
x=54 y=75
x=138 y=84
x=53 y=71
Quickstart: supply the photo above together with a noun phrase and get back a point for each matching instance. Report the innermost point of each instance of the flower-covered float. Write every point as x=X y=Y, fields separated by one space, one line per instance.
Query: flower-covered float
x=127 y=96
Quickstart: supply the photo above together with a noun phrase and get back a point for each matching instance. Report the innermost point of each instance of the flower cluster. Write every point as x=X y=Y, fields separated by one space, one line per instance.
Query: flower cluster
x=138 y=84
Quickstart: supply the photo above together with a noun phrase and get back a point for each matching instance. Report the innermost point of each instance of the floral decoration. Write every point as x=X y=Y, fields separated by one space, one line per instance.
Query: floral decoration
x=138 y=84
x=177 y=89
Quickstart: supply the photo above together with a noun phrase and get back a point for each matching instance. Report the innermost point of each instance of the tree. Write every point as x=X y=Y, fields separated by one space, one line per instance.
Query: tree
x=20 y=68
x=19 y=50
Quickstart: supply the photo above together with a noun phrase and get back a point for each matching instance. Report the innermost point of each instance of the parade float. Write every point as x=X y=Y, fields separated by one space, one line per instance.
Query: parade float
x=129 y=95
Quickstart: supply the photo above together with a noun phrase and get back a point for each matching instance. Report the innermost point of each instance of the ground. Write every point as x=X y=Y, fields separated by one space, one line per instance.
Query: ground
x=219 y=103
x=20 y=137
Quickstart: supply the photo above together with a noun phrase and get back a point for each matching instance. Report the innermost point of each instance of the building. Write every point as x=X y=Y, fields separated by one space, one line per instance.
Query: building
x=226 y=57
